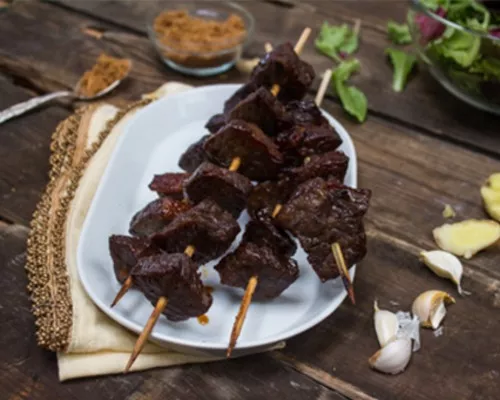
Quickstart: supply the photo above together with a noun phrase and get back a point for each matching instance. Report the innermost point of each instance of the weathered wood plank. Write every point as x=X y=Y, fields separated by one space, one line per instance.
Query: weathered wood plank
x=24 y=151
x=462 y=363
x=423 y=104
x=59 y=29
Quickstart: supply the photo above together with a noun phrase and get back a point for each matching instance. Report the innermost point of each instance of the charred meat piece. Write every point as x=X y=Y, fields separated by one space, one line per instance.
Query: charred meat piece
x=169 y=184
x=262 y=109
x=274 y=271
x=260 y=157
x=206 y=226
x=215 y=123
x=283 y=67
x=305 y=112
x=175 y=277
x=262 y=231
x=156 y=215
x=193 y=156
x=321 y=213
x=327 y=165
x=228 y=189
x=126 y=251
x=310 y=134
x=266 y=195
x=239 y=95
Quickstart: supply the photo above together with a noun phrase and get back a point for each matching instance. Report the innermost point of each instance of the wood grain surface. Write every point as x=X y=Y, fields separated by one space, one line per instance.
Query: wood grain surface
x=418 y=151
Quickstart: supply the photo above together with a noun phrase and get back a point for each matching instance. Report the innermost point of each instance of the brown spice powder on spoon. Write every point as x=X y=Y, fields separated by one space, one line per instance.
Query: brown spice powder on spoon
x=106 y=71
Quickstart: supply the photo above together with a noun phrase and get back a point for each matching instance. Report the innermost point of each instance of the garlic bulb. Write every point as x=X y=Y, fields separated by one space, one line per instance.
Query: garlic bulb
x=445 y=265
x=430 y=308
x=386 y=325
x=394 y=357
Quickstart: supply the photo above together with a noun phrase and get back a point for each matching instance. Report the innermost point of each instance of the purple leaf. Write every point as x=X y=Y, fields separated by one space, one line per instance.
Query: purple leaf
x=430 y=29
x=495 y=32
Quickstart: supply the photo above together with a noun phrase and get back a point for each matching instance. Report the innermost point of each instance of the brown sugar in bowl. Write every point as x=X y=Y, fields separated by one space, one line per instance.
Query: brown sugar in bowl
x=201 y=38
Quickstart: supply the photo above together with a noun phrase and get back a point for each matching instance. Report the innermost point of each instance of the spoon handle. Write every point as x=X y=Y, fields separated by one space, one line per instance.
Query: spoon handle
x=28 y=105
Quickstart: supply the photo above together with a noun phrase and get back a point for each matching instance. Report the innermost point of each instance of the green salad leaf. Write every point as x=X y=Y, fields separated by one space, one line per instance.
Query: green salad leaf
x=403 y=64
x=335 y=39
x=461 y=47
x=398 y=33
x=353 y=100
x=489 y=67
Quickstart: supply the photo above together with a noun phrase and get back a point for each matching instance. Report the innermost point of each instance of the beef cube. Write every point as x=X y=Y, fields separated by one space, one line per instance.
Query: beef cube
x=321 y=213
x=305 y=112
x=262 y=109
x=305 y=140
x=262 y=231
x=266 y=195
x=260 y=157
x=239 y=95
x=327 y=165
x=156 y=215
x=283 y=67
x=228 y=189
x=309 y=134
x=193 y=156
x=175 y=277
x=215 y=123
x=275 y=272
x=170 y=184
x=206 y=226
x=126 y=251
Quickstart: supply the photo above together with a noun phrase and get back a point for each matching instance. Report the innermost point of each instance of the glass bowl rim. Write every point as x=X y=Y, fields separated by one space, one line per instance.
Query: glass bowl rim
x=246 y=15
x=422 y=8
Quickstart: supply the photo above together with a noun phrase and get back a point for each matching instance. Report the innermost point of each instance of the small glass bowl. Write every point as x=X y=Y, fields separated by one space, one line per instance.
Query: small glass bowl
x=474 y=88
x=206 y=63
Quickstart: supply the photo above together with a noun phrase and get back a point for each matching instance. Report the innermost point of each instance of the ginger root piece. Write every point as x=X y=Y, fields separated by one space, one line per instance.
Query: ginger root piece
x=467 y=238
x=448 y=211
x=490 y=192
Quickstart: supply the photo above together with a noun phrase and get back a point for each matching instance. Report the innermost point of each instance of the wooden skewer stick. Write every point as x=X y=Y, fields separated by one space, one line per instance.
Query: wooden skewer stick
x=344 y=272
x=252 y=282
x=124 y=289
x=139 y=345
x=323 y=87
x=242 y=313
x=160 y=306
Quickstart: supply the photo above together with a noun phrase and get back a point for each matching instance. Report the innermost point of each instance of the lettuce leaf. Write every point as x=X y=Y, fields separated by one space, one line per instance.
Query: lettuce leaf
x=353 y=100
x=398 y=33
x=403 y=64
x=333 y=40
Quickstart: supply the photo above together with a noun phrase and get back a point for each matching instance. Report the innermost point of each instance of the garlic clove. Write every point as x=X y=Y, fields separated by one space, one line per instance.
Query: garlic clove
x=468 y=237
x=444 y=265
x=246 y=65
x=393 y=357
x=386 y=325
x=490 y=192
x=448 y=211
x=409 y=327
x=429 y=307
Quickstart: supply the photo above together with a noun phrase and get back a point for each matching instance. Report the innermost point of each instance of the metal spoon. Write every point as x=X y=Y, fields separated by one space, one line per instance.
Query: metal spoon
x=28 y=105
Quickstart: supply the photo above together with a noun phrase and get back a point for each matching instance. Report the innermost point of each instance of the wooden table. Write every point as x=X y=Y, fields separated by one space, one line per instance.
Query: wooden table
x=418 y=151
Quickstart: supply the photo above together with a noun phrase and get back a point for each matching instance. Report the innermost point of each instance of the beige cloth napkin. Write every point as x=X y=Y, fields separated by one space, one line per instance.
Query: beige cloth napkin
x=98 y=345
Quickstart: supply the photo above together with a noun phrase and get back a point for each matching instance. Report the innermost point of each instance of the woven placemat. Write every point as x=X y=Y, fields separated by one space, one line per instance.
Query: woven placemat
x=46 y=267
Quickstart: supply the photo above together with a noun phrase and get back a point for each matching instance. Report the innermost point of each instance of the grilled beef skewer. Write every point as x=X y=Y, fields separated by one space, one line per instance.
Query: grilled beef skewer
x=172 y=283
x=206 y=228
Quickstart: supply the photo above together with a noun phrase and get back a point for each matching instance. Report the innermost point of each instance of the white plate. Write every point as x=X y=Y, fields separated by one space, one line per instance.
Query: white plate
x=152 y=144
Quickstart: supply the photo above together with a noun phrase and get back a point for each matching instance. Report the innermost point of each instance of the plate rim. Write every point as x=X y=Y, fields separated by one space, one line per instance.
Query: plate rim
x=162 y=338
